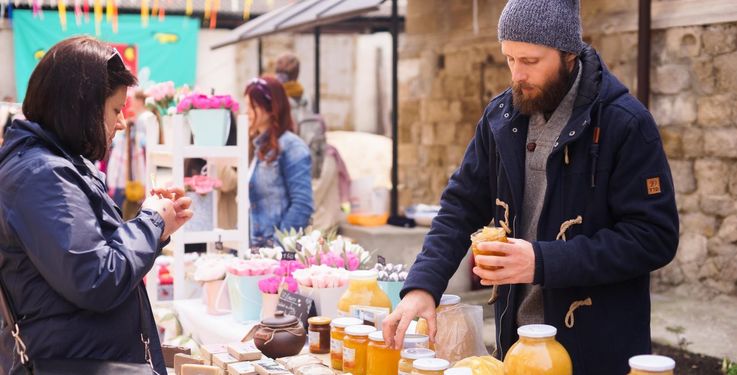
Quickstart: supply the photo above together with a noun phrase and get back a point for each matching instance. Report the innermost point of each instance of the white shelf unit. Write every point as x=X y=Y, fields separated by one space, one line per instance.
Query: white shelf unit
x=172 y=155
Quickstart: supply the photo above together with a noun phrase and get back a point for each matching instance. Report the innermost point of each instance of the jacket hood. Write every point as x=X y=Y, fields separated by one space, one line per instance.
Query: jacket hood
x=23 y=133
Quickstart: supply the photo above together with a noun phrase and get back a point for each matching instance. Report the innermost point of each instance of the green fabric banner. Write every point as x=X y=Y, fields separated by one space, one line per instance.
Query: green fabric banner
x=165 y=50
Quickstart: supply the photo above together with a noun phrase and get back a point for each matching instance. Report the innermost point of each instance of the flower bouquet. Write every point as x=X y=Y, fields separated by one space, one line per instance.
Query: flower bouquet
x=209 y=117
x=210 y=270
x=243 y=280
x=271 y=287
x=199 y=189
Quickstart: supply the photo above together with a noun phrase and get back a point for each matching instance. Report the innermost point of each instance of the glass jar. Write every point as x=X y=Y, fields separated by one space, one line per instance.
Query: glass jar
x=380 y=359
x=429 y=366
x=416 y=341
x=409 y=356
x=487 y=234
x=319 y=334
x=651 y=365
x=458 y=371
x=355 y=346
x=337 y=333
x=363 y=291
x=537 y=352
x=446 y=302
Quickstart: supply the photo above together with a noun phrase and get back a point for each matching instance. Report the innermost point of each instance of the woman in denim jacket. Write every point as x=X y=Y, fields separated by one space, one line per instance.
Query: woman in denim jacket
x=280 y=188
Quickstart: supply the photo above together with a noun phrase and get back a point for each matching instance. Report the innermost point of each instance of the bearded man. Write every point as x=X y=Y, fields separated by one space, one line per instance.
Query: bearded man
x=591 y=210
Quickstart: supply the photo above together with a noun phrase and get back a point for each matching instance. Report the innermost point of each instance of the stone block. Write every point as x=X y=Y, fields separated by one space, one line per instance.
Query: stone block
x=733 y=180
x=726 y=72
x=458 y=63
x=683 y=175
x=693 y=142
x=709 y=270
x=719 y=39
x=445 y=133
x=691 y=272
x=721 y=143
x=692 y=248
x=721 y=286
x=715 y=111
x=682 y=42
x=672 y=141
x=698 y=223
x=671 y=79
x=407 y=154
x=662 y=109
x=712 y=176
x=704 y=75
x=684 y=109
x=670 y=274
x=427 y=137
x=728 y=229
x=687 y=202
x=729 y=270
x=720 y=205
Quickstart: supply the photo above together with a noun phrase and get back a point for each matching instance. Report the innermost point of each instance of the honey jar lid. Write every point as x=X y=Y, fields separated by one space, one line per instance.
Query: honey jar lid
x=415 y=339
x=652 y=363
x=377 y=336
x=417 y=353
x=359 y=330
x=537 y=331
x=319 y=320
x=431 y=364
x=346 y=322
x=450 y=299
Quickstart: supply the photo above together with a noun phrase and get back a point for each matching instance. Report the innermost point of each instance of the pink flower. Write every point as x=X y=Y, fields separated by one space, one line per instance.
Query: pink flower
x=353 y=262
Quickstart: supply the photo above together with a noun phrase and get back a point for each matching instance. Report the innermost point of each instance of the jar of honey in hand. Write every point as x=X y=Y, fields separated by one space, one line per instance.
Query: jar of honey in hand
x=487 y=234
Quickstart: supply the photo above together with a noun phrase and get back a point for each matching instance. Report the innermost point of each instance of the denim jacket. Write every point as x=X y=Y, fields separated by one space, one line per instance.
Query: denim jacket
x=280 y=191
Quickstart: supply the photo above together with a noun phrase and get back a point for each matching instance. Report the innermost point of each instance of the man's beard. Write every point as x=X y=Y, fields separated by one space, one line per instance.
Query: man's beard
x=548 y=96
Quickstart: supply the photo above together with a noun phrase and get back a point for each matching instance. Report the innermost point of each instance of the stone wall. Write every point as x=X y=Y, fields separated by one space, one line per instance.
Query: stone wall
x=448 y=73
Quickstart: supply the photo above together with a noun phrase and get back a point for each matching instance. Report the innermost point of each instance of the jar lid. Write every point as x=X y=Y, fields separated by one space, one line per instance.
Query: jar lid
x=417 y=353
x=450 y=299
x=319 y=320
x=652 y=363
x=458 y=371
x=346 y=322
x=415 y=339
x=537 y=331
x=280 y=320
x=377 y=336
x=431 y=364
x=359 y=330
x=364 y=275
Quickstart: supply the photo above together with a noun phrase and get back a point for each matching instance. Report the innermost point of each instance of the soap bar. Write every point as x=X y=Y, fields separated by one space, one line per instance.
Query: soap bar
x=314 y=370
x=270 y=367
x=222 y=360
x=244 y=351
x=241 y=368
x=169 y=351
x=183 y=359
x=292 y=363
x=190 y=369
x=209 y=350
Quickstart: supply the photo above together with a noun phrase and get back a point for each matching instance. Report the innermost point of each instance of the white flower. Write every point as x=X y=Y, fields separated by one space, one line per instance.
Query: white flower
x=271 y=252
x=309 y=245
x=337 y=245
x=171 y=111
x=289 y=242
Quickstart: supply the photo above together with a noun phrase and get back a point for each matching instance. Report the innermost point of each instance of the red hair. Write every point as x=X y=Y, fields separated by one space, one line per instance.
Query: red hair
x=272 y=98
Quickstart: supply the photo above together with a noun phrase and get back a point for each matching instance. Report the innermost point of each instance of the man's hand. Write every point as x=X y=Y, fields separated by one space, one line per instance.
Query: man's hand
x=516 y=262
x=415 y=303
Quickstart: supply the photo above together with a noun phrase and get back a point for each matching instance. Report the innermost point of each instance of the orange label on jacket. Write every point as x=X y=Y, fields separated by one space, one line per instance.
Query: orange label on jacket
x=653 y=186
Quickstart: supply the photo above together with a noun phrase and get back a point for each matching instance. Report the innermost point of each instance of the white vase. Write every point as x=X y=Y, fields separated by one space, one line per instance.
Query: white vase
x=268 y=304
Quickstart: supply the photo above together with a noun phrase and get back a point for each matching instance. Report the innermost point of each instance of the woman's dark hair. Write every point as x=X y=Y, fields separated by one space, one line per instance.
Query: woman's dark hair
x=268 y=93
x=67 y=92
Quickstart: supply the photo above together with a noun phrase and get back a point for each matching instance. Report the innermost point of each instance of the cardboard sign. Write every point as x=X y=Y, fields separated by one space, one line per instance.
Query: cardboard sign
x=298 y=305
x=381 y=260
x=289 y=255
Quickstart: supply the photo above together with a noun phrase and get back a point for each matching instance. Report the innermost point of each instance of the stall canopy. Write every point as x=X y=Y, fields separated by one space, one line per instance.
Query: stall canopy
x=301 y=15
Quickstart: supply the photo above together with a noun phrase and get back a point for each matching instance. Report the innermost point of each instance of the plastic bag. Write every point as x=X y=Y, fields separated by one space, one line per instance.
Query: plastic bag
x=486 y=365
x=460 y=332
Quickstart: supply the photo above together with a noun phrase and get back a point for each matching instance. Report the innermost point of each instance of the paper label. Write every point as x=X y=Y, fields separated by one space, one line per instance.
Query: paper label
x=349 y=357
x=336 y=346
x=314 y=338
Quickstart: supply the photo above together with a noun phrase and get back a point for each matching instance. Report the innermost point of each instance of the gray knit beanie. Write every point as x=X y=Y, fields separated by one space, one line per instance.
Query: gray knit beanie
x=552 y=23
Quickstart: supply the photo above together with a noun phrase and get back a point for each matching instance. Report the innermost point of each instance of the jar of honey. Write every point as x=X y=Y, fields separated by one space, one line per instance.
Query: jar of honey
x=337 y=333
x=446 y=301
x=319 y=334
x=380 y=359
x=416 y=341
x=355 y=346
x=487 y=234
x=409 y=356
x=651 y=365
x=537 y=352
x=430 y=366
x=364 y=291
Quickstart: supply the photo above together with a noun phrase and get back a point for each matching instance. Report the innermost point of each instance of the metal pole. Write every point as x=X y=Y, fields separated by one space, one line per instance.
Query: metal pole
x=317 y=70
x=643 y=53
x=260 y=54
x=395 y=109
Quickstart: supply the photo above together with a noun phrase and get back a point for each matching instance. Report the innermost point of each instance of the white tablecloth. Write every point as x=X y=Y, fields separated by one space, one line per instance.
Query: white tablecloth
x=209 y=329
